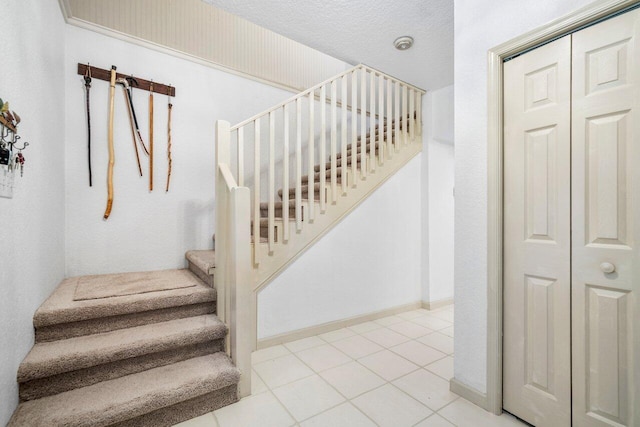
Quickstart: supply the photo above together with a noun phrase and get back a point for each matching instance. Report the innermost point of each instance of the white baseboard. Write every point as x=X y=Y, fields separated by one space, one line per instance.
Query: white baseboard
x=471 y=394
x=332 y=326
x=433 y=305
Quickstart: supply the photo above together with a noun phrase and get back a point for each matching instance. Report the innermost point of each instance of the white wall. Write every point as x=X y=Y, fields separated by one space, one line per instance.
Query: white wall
x=479 y=26
x=369 y=262
x=32 y=223
x=437 y=196
x=146 y=231
x=440 y=151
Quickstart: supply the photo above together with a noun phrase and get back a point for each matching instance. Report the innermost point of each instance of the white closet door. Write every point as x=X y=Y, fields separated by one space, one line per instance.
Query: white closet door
x=606 y=223
x=536 y=355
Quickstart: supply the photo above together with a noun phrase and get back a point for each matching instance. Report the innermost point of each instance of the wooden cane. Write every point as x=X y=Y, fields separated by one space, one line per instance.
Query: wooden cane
x=133 y=131
x=112 y=93
x=151 y=137
x=169 y=160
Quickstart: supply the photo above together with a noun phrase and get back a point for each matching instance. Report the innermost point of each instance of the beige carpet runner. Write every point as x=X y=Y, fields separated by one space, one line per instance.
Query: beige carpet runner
x=117 y=285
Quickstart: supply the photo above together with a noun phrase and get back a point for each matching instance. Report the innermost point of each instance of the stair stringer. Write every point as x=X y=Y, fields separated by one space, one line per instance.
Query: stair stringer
x=271 y=265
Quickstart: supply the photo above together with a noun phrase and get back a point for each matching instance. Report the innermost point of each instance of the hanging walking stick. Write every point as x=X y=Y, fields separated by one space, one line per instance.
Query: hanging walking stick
x=132 y=81
x=125 y=90
x=170 y=107
x=87 y=87
x=112 y=93
x=151 y=137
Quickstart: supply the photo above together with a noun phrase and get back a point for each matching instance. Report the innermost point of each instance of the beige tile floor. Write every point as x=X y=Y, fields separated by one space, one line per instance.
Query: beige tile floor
x=392 y=372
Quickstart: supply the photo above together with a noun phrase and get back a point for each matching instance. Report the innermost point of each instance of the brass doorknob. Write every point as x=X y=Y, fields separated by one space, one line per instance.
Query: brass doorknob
x=607 y=267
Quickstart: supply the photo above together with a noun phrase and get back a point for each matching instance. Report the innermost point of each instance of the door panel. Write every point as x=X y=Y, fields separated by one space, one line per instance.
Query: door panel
x=605 y=220
x=537 y=382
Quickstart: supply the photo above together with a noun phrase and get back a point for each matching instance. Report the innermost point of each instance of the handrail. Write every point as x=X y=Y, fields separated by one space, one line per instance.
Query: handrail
x=319 y=85
x=225 y=170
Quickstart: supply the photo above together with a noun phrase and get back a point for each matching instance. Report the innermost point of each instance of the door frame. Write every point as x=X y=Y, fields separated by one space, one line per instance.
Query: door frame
x=495 y=146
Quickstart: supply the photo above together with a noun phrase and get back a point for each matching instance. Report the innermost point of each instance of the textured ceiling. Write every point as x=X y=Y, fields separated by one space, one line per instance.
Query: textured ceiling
x=363 y=31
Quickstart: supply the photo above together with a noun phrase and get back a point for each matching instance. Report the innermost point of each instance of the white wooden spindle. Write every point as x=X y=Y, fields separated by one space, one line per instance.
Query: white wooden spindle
x=285 y=174
x=334 y=137
x=241 y=157
x=299 y=164
x=323 y=148
x=419 y=112
x=272 y=182
x=405 y=115
x=397 y=137
x=256 y=192
x=381 y=121
x=312 y=150
x=343 y=139
x=372 y=123
x=363 y=124
x=388 y=120
x=412 y=115
x=354 y=128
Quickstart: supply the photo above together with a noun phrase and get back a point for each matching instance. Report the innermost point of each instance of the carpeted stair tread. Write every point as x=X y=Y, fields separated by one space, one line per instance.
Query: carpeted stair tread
x=277 y=208
x=131 y=396
x=327 y=166
x=60 y=307
x=305 y=190
x=55 y=357
x=205 y=260
x=316 y=176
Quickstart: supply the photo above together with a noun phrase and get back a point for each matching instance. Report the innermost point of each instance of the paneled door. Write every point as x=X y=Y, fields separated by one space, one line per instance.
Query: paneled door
x=571 y=345
x=606 y=223
x=537 y=240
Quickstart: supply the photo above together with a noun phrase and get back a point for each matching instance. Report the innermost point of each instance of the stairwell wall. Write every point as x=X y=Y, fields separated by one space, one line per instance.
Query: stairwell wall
x=438 y=197
x=146 y=230
x=32 y=222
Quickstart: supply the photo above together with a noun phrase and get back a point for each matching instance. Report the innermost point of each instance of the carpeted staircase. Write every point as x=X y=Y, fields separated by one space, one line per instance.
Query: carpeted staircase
x=139 y=349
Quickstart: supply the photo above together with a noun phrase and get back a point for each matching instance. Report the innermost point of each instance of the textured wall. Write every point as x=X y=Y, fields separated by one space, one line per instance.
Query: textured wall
x=499 y=22
x=146 y=231
x=32 y=223
x=372 y=257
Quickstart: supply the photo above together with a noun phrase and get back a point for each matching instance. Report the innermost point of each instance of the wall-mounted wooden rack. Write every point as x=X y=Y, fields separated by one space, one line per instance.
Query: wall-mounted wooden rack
x=102 y=74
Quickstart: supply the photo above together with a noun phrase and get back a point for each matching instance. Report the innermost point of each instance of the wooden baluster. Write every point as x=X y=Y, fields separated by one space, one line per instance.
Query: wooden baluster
x=285 y=174
x=354 y=128
x=405 y=116
x=372 y=123
x=343 y=139
x=397 y=137
x=419 y=113
x=381 y=120
x=311 y=147
x=256 y=193
x=323 y=148
x=299 y=164
x=363 y=124
x=272 y=182
x=389 y=120
x=412 y=119
x=241 y=157
x=334 y=131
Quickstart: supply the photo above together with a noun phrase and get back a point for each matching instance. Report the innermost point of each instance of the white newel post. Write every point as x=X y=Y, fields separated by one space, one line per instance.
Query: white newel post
x=223 y=136
x=243 y=300
x=236 y=298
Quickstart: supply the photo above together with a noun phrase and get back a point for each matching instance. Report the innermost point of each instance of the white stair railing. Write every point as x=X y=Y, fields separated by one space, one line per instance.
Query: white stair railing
x=257 y=156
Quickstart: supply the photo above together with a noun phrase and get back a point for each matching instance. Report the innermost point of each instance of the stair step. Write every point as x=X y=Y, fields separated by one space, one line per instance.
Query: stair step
x=316 y=176
x=61 y=317
x=305 y=191
x=264 y=209
x=157 y=397
x=327 y=166
x=359 y=150
x=202 y=263
x=57 y=366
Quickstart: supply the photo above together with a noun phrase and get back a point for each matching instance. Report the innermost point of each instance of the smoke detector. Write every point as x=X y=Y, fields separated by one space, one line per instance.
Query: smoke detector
x=403 y=43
